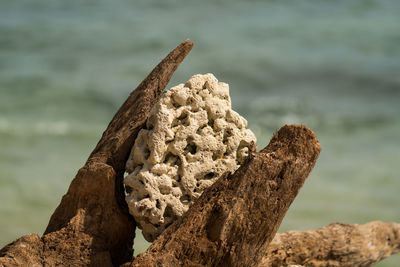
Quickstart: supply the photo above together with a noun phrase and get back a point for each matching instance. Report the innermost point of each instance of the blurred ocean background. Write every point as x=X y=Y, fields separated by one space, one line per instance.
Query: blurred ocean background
x=66 y=67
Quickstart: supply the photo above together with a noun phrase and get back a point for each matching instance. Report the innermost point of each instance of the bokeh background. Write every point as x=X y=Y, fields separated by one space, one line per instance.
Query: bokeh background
x=66 y=67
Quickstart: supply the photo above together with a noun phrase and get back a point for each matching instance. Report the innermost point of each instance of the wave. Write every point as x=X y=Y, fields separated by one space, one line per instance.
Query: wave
x=51 y=128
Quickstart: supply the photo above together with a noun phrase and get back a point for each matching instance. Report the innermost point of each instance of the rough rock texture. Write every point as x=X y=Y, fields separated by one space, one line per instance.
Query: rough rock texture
x=336 y=245
x=193 y=136
x=235 y=219
x=92 y=226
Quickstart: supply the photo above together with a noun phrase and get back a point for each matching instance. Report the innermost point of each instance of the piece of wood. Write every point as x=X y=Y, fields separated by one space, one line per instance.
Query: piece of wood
x=234 y=220
x=92 y=226
x=336 y=245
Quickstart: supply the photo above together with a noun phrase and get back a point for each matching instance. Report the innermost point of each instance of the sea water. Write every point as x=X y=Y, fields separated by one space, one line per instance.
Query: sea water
x=66 y=67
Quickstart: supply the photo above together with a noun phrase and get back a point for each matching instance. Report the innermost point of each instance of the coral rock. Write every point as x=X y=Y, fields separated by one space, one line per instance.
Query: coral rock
x=192 y=136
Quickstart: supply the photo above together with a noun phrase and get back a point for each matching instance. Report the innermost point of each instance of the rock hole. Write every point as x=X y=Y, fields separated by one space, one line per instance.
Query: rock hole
x=149 y=126
x=185 y=199
x=165 y=190
x=170 y=158
x=175 y=123
x=211 y=123
x=146 y=152
x=176 y=104
x=191 y=147
x=198 y=131
x=215 y=156
x=190 y=100
x=182 y=116
x=183 y=119
x=178 y=161
x=227 y=134
x=158 y=204
x=128 y=189
x=168 y=212
x=209 y=176
x=140 y=165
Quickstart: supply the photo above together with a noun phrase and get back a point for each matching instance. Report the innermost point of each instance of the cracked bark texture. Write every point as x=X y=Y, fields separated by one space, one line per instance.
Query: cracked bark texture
x=336 y=245
x=91 y=225
x=235 y=219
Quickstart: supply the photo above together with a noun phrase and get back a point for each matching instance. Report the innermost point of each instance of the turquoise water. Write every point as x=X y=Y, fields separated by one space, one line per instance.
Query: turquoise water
x=334 y=66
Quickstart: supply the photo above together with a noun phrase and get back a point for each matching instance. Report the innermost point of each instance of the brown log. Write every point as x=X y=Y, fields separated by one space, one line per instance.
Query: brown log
x=234 y=220
x=336 y=245
x=92 y=226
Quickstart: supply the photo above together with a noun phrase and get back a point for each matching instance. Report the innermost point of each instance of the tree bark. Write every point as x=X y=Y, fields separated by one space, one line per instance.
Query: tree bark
x=234 y=220
x=92 y=226
x=341 y=245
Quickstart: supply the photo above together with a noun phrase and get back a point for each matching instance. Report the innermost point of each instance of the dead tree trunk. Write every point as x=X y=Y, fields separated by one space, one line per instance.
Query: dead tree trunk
x=340 y=245
x=234 y=220
x=92 y=226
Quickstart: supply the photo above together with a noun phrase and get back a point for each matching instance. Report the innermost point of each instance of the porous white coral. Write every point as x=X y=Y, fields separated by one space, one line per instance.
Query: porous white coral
x=191 y=137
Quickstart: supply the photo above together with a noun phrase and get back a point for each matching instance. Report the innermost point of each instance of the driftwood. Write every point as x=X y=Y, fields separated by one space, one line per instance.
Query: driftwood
x=231 y=224
x=234 y=220
x=92 y=226
x=336 y=245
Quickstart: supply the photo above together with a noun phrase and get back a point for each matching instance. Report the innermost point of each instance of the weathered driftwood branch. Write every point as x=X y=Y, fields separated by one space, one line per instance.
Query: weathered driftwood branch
x=341 y=245
x=234 y=220
x=91 y=226
x=231 y=224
